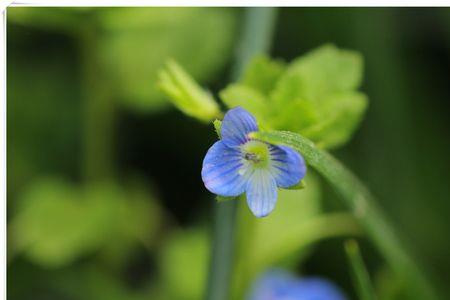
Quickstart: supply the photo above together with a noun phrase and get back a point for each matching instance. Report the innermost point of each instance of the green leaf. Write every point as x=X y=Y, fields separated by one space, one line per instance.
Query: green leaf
x=288 y=115
x=135 y=43
x=48 y=230
x=326 y=70
x=361 y=278
x=341 y=114
x=140 y=215
x=316 y=96
x=186 y=94
x=246 y=97
x=183 y=262
x=262 y=74
x=362 y=204
x=47 y=226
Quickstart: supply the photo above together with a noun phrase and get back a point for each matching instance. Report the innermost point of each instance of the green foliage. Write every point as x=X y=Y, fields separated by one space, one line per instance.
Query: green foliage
x=325 y=70
x=138 y=41
x=315 y=95
x=56 y=222
x=262 y=74
x=360 y=275
x=186 y=94
x=344 y=112
x=250 y=99
x=184 y=261
x=131 y=44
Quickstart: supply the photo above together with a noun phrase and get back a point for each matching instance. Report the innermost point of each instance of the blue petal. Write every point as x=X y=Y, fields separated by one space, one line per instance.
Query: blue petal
x=281 y=285
x=236 y=124
x=224 y=172
x=314 y=288
x=287 y=166
x=261 y=193
x=273 y=284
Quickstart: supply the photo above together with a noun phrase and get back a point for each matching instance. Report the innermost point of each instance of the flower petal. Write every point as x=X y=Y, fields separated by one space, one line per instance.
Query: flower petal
x=273 y=284
x=261 y=193
x=282 y=285
x=224 y=172
x=314 y=288
x=236 y=124
x=287 y=166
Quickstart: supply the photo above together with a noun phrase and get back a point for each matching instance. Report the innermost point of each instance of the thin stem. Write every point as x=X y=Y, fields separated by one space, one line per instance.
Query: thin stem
x=259 y=24
x=256 y=39
x=222 y=251
x=361 y=278
x=98 y=111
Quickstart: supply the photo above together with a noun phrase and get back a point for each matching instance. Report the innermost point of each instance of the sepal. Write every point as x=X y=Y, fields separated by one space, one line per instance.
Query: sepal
x=224 y=199
x=217 y=127
x=299 y=186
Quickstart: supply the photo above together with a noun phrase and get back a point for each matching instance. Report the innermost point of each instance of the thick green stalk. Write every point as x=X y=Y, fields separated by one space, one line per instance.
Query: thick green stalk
x=256 y=39
x=363 y=205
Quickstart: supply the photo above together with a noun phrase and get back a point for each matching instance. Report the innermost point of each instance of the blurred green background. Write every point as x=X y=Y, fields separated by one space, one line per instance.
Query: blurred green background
x=105 y=199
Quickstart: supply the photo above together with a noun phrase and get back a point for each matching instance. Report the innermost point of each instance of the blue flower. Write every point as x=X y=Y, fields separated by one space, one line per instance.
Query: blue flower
x=238 y=164
x=281 y=285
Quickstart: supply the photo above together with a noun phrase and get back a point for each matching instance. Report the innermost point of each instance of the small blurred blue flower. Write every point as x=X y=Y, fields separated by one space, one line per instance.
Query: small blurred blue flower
x=281 y=285
x=238 y=164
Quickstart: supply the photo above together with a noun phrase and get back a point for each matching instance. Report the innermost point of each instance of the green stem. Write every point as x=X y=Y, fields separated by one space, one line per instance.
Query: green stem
x=363 y=205
x=259 y=24
x=256 y=39
x=99 y=110
x=222 y=251
x=361 y=278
